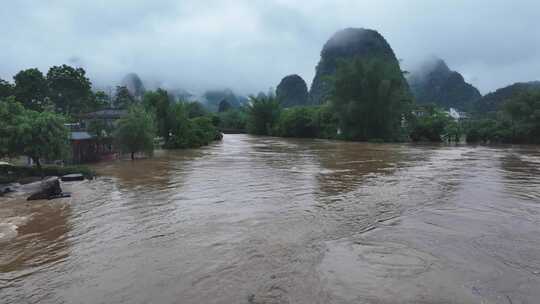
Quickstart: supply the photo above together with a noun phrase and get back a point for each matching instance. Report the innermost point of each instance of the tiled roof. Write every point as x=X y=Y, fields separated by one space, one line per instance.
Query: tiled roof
x=107 y=113
x=80 y=136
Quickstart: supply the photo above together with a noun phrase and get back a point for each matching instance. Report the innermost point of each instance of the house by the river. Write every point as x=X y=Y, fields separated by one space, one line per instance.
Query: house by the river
x=86 y=146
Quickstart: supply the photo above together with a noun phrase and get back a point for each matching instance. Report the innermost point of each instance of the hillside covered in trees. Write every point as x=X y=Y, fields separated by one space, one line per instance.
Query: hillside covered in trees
x=347 y=44
x=434 y=82
x=493 y=101
x=292 y=91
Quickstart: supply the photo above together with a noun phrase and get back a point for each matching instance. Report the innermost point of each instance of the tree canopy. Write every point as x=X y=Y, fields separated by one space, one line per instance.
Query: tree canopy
x=69 y=89
x=159 y=103
x=263 y=113
x=38 y=135
x=135 y=132
x=31 y=88
x=6 y=89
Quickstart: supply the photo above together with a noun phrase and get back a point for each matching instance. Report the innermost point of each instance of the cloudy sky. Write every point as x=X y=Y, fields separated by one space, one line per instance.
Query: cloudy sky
x=250 y=45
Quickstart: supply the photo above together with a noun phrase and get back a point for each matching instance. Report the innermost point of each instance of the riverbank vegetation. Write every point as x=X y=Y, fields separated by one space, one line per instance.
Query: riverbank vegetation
x=26 y=174
x=135 y=132
x=516 y=121
x=369 y=101
x=37 y=111
x=38 y=135
x=180 y=124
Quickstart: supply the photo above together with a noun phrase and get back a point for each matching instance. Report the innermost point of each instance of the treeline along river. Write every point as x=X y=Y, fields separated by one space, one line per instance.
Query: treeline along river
x=272 y=220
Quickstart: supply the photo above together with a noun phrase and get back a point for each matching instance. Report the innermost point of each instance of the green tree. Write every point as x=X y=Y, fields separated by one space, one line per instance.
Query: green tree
x=522 y=113
x=195 y=109
x=12 y=116
x=31 y=88
x=99 y=100
x=159 y=103
x=44 y=136
x=204 y=131
x=123 y=98
x=38 y=135
x=6 y=89
x=483 y=130
x=262 y=114
x=326 y=121
x=233 y=119
x=453 y=131
x=297 y=122
x=434 y=125
x=135 y=132
x=370 y=98
x=180 y=128
x=69 y=89
x=517 y=121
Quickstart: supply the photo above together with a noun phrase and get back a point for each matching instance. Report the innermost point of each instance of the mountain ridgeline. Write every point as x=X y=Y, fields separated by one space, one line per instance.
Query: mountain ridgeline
x=435 y=83
x=212 y=98
x=347 y=44
x=493 y=101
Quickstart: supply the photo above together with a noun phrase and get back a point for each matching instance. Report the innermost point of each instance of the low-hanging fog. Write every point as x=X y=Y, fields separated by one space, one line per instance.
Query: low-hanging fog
x=250 y=45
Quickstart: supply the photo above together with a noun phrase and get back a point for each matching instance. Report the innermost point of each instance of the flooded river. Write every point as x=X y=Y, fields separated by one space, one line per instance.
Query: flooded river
x=270 y=220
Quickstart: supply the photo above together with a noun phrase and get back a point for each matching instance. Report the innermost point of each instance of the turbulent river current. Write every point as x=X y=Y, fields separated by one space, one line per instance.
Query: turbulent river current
x=271 y=220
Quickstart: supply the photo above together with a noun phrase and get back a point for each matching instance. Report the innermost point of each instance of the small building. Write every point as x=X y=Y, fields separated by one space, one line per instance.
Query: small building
x=419 y=112
x=457 y=115
x=86 y=147
x=108 y=116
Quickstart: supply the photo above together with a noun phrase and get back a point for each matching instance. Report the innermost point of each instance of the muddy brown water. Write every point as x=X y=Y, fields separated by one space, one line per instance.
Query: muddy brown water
x=269 y=220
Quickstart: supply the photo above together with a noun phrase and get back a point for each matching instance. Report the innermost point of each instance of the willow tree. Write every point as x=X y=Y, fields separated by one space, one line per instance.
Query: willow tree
x=135 y=132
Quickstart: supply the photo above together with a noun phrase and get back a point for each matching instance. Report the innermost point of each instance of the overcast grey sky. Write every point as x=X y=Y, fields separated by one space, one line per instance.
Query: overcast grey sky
x=250 y=45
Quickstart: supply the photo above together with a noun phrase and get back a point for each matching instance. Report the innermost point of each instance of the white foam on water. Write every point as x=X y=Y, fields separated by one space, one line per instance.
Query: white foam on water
x=8 y=228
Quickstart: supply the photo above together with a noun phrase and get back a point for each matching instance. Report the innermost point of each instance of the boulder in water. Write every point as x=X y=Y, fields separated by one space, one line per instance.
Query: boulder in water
x=46 y=189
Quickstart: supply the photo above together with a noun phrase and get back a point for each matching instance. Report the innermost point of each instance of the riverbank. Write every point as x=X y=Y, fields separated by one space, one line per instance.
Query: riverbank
x=26 y=174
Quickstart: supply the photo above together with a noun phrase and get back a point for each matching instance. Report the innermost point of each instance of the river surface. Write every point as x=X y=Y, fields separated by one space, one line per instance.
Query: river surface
x=270 y=220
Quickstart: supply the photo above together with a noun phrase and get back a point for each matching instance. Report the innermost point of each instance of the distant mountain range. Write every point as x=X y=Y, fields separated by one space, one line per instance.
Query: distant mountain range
x=433 y=82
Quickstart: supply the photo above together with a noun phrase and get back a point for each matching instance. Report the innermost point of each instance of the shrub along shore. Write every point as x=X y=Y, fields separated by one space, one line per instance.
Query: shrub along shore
x=26 y=174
